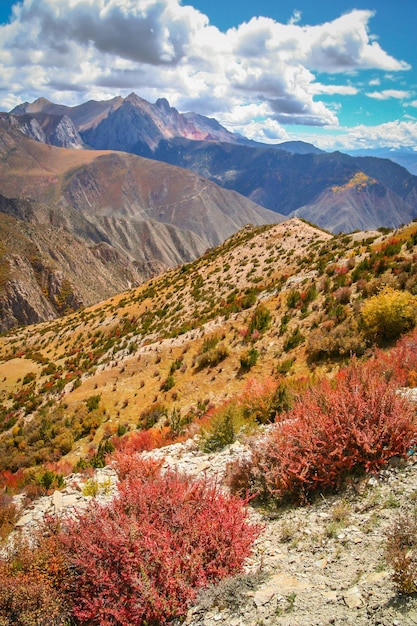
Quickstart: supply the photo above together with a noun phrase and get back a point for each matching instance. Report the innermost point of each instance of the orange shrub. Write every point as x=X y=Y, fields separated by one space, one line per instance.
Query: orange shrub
x=262 y=399
x=143 y=440
x=8 y=514
x=400 y=363
x=12 y=482
x=29 y=586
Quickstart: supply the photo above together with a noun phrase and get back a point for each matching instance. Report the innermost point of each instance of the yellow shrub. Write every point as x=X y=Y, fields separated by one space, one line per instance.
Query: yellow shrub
x=390 y=313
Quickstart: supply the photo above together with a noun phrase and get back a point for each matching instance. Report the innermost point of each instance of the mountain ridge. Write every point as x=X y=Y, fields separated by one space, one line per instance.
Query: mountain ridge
x=138 y=216
x=290 y=178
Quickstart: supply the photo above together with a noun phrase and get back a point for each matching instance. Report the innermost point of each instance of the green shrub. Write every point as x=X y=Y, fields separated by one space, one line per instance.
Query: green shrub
x=168 y=383
x=293 y=299
x=260 y=320
x=212 y=357
x=209 y=343
x=29 y=378
x=294 y=340
x=248 y=300
x=284 y=366
x=225 y=427
x=105 y=447
x=248 y=359
x=340 y=341
x=92 y=403
x=151 y=415
x=175 y=365
x=48 y=479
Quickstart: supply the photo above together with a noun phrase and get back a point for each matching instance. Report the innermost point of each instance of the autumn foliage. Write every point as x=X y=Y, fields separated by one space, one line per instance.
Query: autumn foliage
x=401 y=552
x=143 y=440
x=356 y=422
x=399 y=364
x=141 y=559
x=31 y=585
x=389 y=314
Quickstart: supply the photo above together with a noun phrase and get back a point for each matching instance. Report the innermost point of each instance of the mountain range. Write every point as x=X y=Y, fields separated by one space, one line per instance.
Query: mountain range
x=339 y=192
x=89 y=224
x=407 y=157
x=97 y=198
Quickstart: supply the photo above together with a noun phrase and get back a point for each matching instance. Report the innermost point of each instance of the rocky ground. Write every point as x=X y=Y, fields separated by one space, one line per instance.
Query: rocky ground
x=314 y=565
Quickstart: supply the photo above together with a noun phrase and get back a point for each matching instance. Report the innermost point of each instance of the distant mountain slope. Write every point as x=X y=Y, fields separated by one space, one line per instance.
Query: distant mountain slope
x=299 y=147
x=406 y=157
x=45 y=271
x=56 y=130
x=353 y=206
x=289 y=178
x=305 y=184
x=107 y=220
x=95 y=187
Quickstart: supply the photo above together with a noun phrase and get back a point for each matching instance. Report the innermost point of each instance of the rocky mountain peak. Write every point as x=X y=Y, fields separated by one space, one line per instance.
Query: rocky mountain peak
x=56 y=130
x=38 y=105
x=163 y=104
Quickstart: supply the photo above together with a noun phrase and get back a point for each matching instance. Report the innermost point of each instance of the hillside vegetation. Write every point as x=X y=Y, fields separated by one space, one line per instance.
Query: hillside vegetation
x=271 y=336
x=272 y=301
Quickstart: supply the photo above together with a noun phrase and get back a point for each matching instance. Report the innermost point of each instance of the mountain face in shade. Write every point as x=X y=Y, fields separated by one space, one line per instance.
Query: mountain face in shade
x=56 y=130
x=307 y=185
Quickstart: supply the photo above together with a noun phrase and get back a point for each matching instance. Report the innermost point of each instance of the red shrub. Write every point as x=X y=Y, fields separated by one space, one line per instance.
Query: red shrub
x=12 y=482
x=359 y=421
x=141 y=559
x=259 y=398
x=126 y=464
x=400 y=363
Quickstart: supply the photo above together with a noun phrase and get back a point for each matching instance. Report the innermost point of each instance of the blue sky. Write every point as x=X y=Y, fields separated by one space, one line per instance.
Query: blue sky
x=339 y=73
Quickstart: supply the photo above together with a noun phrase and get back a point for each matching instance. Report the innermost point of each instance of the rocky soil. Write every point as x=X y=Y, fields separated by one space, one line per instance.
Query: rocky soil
x=312 y=566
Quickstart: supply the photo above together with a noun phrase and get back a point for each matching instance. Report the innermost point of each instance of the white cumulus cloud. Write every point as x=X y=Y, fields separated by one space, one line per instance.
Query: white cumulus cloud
x=386 y=94
x=80 y=49
x=396 y=134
